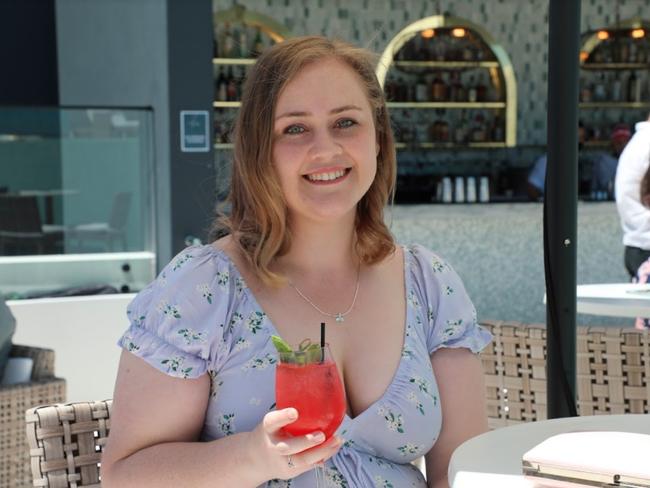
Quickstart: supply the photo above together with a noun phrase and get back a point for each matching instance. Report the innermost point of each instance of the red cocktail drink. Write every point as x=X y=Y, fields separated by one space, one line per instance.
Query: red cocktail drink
x=315 y=390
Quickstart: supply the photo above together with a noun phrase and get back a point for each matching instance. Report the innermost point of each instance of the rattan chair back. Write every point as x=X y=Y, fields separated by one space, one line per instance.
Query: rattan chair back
x=613 y=367
x=66 y=443
x=14 y=400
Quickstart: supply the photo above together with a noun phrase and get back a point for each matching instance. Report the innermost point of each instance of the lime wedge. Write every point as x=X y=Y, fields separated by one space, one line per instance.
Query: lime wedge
x=280 y=345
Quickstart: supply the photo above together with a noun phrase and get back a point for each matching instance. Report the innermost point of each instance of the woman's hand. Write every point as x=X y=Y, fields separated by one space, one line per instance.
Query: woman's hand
x=283 y=456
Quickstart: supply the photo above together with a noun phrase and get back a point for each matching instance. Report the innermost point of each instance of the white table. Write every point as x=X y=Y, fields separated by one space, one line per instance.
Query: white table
x=493 y=459
x=614 y=299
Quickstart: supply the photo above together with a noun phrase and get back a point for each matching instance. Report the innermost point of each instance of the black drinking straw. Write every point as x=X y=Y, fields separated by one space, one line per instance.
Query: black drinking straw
x=322 y=342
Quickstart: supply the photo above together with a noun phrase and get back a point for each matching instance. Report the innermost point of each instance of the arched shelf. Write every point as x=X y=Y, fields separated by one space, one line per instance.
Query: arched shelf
x=615 y=67
x=226 y=106
x=498 y=65
x=594 y=39
x=242 y=15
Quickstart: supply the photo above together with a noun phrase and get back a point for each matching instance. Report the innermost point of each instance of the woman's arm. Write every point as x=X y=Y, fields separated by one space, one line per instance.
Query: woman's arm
x=459 y=375
x=157 y=420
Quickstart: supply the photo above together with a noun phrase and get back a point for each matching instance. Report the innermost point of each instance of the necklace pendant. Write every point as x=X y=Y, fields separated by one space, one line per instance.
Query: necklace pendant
x=339 y=317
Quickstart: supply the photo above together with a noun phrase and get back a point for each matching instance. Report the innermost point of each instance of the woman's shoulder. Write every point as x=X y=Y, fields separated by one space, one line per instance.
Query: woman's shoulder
x=423 y=259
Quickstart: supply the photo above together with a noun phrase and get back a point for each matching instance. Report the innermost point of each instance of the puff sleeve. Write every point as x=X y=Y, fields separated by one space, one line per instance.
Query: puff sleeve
x=173 y=321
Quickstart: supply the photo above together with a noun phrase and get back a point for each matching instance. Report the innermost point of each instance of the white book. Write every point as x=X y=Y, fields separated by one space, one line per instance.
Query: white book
x=590 y=459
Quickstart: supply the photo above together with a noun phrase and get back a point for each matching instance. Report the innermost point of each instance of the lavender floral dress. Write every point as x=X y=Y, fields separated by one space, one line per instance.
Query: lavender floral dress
x=199 y=317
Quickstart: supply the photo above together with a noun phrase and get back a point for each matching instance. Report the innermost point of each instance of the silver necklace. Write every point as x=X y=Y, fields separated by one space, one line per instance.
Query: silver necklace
x=337 y=316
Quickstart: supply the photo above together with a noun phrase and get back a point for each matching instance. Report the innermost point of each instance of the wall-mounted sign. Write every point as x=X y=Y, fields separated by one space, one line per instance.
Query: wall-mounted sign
x=194 y=131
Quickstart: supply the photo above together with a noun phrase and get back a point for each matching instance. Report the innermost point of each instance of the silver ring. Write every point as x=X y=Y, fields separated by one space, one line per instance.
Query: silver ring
x=290 y=462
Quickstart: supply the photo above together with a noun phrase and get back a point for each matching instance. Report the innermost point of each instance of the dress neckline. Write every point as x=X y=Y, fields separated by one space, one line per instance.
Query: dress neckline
x=406 y=255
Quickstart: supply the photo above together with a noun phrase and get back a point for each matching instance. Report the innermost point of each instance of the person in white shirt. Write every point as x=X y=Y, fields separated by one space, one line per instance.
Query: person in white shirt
x=635 y=217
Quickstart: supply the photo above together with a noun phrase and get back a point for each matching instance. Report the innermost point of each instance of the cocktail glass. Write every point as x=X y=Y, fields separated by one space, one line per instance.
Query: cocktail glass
x=309 y=381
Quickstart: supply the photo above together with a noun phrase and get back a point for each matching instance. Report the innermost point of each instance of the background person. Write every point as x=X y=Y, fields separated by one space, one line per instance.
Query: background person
x=314 y=166
x=603 y=171
x=537 y=175
x=635 y=217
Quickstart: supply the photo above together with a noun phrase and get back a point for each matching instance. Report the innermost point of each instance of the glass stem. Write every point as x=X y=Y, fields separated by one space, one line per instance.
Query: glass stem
x=320 y=475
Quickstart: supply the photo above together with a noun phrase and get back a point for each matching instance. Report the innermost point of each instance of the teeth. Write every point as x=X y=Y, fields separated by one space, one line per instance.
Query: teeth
x=326 y=176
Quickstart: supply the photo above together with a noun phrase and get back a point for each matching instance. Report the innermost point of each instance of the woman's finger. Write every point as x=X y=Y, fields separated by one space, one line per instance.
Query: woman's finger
x=294 y=445
x=317 y=454
x=274 y=421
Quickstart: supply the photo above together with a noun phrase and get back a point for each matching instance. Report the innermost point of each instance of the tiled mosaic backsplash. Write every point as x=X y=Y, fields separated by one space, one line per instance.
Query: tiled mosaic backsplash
x=519 y=26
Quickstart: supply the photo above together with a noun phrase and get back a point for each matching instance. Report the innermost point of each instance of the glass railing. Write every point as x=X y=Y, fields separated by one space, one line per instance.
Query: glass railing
x=76 y=186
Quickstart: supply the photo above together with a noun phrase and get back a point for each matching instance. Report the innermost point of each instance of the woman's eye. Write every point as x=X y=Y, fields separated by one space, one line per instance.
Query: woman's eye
x=294 y=129
x=345 y=123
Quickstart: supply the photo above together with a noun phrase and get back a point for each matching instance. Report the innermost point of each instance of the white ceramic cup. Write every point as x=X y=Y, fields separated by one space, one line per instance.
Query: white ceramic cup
x=17 y=370
x=470 y=194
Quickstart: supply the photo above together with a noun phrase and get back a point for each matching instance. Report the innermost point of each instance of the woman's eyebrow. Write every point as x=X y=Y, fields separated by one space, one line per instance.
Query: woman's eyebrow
x=305 y=114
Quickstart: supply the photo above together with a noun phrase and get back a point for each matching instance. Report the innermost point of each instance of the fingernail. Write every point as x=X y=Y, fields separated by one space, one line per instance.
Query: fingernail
x=320 y=437
x=293 y=414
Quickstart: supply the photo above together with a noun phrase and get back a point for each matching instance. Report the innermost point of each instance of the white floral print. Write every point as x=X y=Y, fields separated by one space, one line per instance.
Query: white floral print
x=223 y=277
x=204 y=290
x=169 y=310
x=191 y=336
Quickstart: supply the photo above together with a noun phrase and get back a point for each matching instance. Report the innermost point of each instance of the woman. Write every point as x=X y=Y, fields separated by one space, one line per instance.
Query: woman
x=314 y=166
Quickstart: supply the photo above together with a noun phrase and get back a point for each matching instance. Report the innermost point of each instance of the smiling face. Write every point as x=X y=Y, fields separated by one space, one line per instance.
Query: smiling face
x=324 y=142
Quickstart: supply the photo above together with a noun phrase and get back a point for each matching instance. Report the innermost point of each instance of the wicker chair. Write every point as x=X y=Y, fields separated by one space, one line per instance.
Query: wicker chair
x=66 y=443
x=14 y=400
x=613 y=367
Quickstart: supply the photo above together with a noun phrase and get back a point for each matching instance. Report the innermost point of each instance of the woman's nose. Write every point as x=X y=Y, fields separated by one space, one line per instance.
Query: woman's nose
x=324 y=146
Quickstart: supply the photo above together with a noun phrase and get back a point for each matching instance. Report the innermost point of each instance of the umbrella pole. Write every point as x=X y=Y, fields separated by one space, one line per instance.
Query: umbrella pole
x=561 y=205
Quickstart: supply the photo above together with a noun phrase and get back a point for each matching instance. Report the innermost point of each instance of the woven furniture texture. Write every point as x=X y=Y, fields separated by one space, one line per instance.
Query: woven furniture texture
x=613 y=367
x=14 y=400
x=66 y=443
x=613 y=372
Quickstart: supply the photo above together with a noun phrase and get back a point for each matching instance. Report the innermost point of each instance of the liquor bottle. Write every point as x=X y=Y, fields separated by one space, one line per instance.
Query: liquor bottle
x=478 y=130
x=222 y=94
x=243 y=43
x=472 y=93
x=600 y=95
x=481 y=90
x=633 y=88
x=454 y=83
x=467 y=52
x=460 y=131
x=438 y=89
x=623 y=50
x=228 y=42
x=258 y=44
x=496 y=134
x=421 y=90
x=617 y=89
x=585 y=91
x=231 y=87
x=215 y=45
x=236 y=48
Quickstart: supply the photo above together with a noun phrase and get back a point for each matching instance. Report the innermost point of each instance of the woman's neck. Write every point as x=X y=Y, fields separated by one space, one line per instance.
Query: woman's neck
x=320 y=249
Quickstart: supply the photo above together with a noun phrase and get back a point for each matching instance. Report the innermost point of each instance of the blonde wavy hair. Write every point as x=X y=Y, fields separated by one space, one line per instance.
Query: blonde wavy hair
x=258 y=219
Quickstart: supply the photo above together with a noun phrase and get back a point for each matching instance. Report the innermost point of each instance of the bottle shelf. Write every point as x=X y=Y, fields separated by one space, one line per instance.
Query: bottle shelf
x=449 y=145
x=616 y=66
x=226 y=104
x=447 y=64
x=594 y=105
x=223 y=145
x=233 y=61
x=427 y=105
